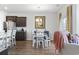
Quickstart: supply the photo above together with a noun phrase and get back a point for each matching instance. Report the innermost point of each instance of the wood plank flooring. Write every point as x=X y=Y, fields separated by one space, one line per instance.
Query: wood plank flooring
x=25 y=48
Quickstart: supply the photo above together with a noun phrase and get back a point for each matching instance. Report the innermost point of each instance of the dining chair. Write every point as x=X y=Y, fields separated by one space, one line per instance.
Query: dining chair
x=3 y=39
x=13 y=37
x=33 y=37
x=9 y=37
x=1 y=43
x=47 y=38
x=40 y=39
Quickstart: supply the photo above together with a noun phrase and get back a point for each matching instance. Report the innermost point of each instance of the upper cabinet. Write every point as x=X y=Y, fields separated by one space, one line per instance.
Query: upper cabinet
x=21 y=22
x=12 y=18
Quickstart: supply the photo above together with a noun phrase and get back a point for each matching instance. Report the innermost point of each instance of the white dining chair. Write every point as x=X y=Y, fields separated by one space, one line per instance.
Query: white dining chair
x=3 y=39
x=47 y=39
x=33 y=38
x=9 y=37
x=40 y=39
x=13 y=37
x=1 y=43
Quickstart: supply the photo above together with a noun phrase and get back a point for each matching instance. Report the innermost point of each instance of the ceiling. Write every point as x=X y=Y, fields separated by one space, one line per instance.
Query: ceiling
x=31 y=7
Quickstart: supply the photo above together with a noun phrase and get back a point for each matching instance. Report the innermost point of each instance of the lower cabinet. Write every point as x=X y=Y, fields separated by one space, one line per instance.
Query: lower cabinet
x=20 y=36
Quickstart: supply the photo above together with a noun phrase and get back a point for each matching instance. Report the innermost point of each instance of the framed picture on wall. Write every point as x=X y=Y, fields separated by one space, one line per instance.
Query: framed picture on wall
x=39 y=22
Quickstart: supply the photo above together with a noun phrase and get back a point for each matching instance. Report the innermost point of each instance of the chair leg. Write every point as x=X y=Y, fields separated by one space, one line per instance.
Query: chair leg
x=46 y=43
x=33 y=43
x=49 y=43
x=43 y=44
x=14 y=42
x=37 y=44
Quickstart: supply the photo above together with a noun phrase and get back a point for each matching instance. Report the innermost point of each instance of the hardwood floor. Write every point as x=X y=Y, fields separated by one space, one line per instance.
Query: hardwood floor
x=25 y=48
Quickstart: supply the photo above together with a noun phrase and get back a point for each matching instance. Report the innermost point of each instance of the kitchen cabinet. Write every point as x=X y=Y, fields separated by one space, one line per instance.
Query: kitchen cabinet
x=12 y=18
x=21 y=22
x=20 y=36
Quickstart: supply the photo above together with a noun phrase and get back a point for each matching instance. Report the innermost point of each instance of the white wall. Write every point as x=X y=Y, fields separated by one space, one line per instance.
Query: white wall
x=63 y=10
x=77 y=19
x=2 y=19
x=51 y=21
x=74 y=19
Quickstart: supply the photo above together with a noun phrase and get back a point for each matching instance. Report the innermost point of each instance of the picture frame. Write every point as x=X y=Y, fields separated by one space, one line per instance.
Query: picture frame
x=39 y=22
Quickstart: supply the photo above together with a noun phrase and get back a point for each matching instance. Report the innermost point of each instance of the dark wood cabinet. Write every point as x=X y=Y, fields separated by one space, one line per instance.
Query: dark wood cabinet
x=12 y=18
x=20 y=36
x=21 y=22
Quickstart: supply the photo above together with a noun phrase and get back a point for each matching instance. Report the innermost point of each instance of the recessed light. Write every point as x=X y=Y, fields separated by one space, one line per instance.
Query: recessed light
x=38 y=7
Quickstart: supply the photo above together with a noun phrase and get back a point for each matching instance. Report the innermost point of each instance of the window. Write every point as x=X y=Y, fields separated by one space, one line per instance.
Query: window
x=63 y=24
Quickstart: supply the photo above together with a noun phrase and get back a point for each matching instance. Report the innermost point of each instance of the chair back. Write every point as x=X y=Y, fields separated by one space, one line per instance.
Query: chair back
x=34 y=31
x=13 y=33
x=9 y=33
x=2 y=33
x=47 y=33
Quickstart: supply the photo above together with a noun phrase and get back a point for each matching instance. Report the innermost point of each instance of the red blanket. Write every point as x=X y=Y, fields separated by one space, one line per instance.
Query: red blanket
x=58 y=40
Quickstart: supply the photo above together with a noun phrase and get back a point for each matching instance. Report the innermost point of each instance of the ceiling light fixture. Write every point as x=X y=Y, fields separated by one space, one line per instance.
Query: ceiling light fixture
x=38 y=7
